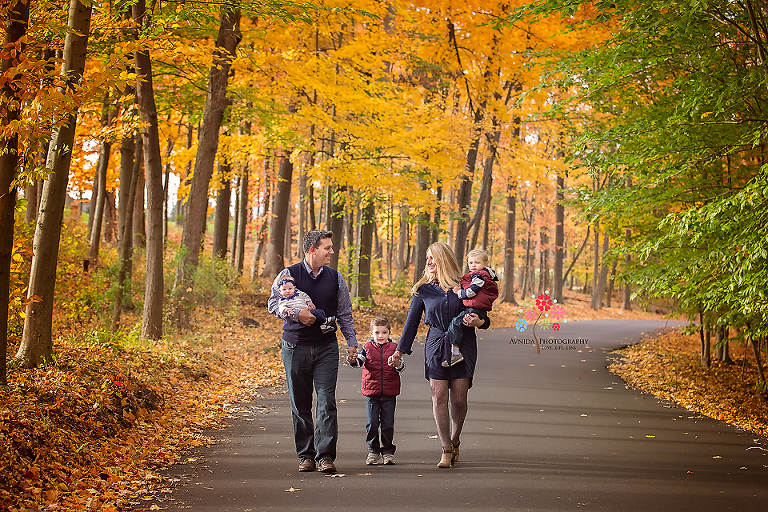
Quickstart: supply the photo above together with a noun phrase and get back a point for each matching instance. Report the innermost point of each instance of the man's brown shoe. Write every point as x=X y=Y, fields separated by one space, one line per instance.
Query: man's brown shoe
x=307 y=465
x=327 y=466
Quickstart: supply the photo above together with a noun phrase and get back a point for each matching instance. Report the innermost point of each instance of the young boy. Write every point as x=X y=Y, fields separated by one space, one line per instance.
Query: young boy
x=381 y=385
x=478 y=290
x=293 y=300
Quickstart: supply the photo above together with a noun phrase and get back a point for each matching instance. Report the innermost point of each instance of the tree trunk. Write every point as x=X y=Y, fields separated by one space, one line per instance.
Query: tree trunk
x=276 y=245
x=557 y=283
x=508 y=284
x=16 y=28
x=96 y=218
x=235 y=226
x=364 y=290
x=437 y=219
x=626 y=304
x=543 y=260
x=242 y=223
x=215 y=104
x=261 y=234
x=129 y=177
x=139 y=227
x=599 y=290
x=37 y=342
x=485 y=189
x=221 y=221
x=422 y=242
x=528 y=271
x=288 y=232
x=152 y=319
x=336 y=221
x=611 y=280
x=402 y=262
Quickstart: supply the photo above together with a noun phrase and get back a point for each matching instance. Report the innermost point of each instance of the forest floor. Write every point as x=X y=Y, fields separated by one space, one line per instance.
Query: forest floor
x=92 y=430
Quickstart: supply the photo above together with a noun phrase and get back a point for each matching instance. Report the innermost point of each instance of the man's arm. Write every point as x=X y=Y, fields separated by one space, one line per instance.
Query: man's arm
x=344 y=314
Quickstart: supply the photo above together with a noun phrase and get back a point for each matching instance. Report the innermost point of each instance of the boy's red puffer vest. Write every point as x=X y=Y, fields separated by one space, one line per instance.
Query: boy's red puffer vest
x=378 y=377
x=487 y=294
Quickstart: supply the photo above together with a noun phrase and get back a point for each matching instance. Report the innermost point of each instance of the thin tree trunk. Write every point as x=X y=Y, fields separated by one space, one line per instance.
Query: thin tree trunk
x=557 y=287
x=261 y=234
x=364 y=290
x=242 y=223
x=236 y=226
x=276 y=245
x=508 y=284
x=16 y=28
x=336 y=222
x=152 y=318
x=221 y=220
x=97 y=210
x=139 y=223
x=527 y=273
x=485 y=189
x=37 y=342
x=609 y=292
x=437 y=219
x=129 y=177
x=422 y=242
x=599 y=290
x=402 y=263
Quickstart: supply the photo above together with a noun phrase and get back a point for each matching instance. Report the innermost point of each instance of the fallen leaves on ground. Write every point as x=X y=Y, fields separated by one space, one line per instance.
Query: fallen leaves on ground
x=91 y=431
x=669 y=367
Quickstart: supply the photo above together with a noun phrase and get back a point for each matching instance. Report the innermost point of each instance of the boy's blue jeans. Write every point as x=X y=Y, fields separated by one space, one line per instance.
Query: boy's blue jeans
x=381 y=415
x=308 y=367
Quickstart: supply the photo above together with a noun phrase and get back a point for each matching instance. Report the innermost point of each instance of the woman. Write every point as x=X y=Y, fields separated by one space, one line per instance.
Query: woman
x=433 y=297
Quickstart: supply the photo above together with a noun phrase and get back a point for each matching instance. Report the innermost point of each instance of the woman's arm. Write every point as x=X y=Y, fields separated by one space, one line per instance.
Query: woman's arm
x=411 y=326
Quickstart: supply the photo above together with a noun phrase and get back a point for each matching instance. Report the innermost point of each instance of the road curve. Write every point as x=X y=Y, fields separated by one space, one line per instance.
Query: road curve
x=545 y=431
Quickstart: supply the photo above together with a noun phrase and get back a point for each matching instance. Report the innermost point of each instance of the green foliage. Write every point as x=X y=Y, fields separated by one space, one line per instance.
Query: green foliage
x=669 y=111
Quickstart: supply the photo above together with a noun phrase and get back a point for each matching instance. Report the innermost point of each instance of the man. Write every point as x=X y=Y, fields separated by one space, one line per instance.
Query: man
x=310 y=351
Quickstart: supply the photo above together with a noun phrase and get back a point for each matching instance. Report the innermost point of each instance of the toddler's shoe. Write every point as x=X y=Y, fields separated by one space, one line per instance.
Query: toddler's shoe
x=456 y=358
x=373 y=459
x=389 y=458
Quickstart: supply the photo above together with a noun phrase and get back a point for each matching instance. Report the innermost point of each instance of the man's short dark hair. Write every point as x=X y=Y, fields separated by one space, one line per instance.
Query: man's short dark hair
x=312 y=238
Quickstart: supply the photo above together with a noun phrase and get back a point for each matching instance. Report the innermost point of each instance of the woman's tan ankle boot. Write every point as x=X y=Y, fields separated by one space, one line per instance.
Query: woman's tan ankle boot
x=447 y=459
x=455 y=452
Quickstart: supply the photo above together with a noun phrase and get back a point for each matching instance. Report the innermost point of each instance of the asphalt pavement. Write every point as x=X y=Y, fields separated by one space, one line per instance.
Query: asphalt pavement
x=545 y=431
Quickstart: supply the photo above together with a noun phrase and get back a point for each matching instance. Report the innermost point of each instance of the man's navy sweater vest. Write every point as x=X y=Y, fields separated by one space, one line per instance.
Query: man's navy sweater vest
x=324 y=291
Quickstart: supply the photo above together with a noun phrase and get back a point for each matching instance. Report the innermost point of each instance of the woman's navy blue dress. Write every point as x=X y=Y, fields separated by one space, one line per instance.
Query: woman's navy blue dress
x=439 y=308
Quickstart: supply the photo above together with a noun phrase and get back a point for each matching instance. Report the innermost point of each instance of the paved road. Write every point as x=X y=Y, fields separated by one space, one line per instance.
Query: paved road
x=545 y=432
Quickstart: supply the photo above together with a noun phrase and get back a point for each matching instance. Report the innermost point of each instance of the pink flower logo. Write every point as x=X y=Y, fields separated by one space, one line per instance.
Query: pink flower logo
x=557 y=313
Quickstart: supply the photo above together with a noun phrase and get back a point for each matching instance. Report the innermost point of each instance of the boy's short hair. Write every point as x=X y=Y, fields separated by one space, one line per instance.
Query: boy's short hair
x=482 y=253
x=380 y=321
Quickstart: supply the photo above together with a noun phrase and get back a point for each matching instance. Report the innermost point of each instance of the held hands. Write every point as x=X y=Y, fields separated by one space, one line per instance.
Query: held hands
x=351 y=355
x=395 y=359
x=472 y=320
x=310 y=305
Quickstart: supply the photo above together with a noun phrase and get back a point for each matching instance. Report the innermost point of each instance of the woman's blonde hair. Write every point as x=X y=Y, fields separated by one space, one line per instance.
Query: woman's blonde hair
x=447 y=271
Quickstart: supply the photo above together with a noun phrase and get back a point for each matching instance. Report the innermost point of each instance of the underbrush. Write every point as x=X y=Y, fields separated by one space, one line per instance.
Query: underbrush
x=669 y=367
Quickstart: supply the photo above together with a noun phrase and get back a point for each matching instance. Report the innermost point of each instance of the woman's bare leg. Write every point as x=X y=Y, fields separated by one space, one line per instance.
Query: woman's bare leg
x=458 y=400
x=440 y=409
